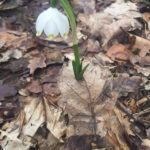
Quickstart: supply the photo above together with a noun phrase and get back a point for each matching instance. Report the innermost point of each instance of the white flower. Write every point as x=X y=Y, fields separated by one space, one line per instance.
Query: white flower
x=52 y=22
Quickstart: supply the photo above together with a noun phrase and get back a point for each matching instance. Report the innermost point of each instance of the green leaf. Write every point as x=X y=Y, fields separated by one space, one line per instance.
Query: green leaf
x=82 y=72
x=74 y=68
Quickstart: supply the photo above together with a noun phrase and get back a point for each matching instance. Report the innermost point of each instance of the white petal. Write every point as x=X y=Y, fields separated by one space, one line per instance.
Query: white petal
x=50 y=29
x=62 y=23
x=42 y=19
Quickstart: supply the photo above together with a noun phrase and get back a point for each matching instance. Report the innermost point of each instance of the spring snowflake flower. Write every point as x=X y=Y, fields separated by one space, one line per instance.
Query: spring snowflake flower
x=53 y=22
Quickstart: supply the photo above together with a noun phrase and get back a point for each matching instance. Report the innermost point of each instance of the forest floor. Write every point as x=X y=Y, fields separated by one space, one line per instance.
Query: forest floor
x=43 y=107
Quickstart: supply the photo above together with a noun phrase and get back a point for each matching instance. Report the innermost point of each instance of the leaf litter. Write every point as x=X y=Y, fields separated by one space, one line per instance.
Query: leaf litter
x=102 y=110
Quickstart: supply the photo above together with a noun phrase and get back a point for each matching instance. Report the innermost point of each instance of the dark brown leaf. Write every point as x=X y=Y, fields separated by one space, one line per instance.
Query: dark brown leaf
x=37 y=62
x=34 y=87
x=7 y=90
x=127 y=84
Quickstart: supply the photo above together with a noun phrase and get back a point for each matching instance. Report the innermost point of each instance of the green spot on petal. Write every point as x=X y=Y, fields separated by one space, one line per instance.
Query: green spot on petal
x=37 y=32
x=65 y=35
x=51 y=36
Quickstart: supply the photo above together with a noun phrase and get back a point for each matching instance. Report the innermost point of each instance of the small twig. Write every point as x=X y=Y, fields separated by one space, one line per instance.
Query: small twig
x=127 y=111
x=142 y=112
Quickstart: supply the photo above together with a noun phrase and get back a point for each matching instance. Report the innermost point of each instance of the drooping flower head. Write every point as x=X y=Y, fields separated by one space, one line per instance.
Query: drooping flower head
x=52 y=22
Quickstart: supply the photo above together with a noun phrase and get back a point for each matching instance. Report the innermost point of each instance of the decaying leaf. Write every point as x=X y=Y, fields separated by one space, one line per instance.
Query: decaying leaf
x=87 y=6
x=141 y=64
x=144 y=70
x=55 y=120
x=127 y=84
x=35 y=114
x=8 y=5
x=142 y=44
x=11 y=40
x=119 y=53
x=34 y=118
x=10 y=54
x=107 y=23
x=90 y=103
x=146 y=142
x=37 y=62
x=7 y=90
x=34 y=87
x=51 y=89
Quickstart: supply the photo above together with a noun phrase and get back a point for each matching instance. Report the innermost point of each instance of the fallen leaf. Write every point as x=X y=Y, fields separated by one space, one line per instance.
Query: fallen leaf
x=51 y=89
x=36 y=62
x=55 y=120
x=144 y=61
x=10 y=54
x=119 y=53
x=7 y=90
x=141 y=64
x=21 y=136
x=146 y=142
x=145 y=71
x=127 y=84
x=11 y=5
x=94 y=94
x=34 y=86
x=142 y=44
x=17 y=65
x=93 y=46
x=103 y=59
x=87 y=6
x=107 y=23
x=13 y=41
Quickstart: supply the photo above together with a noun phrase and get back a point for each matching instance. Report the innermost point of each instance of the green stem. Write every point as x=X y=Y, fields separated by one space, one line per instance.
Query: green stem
x=68 y=9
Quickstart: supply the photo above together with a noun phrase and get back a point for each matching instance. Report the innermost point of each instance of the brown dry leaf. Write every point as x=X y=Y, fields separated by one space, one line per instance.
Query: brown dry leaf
x=141 y=64
x=10 y=54
x=79 y=143
x=146 y=142
x=87 y=6
x=51 y=89
x=21 y=136
x=119 y=53
x=8 y=5
x=50 y=76
x=37 y=62
x=127 y=84
x=142 y=44
x=145 y=71
x=34 y=86
x=86 y=142
x=18 y=136
x=56 y=122
x=93 y=46
x=103 y=59
x=7 y=90
x=108 y=22
x=94 y=94
x=145 y=61
x=53 y=56
x=11 y=40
